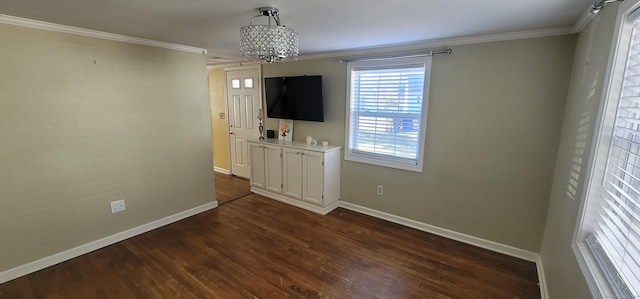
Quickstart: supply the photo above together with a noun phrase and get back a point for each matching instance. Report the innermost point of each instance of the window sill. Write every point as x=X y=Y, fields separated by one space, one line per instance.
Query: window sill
x=376 y=162
x=596 y=281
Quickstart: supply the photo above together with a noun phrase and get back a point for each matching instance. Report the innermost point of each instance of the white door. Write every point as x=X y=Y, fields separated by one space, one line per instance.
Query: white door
x=256 y=153
x=273 y=168
x=292 y=172
x=243 y=102
x=312 y=173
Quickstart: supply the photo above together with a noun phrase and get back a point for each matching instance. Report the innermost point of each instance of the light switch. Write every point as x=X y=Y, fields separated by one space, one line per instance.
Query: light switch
x=221 y=115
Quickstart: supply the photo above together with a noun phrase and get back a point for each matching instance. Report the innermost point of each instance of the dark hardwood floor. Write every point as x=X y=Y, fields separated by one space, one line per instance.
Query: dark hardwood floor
x=229 y=187
x=255 y=247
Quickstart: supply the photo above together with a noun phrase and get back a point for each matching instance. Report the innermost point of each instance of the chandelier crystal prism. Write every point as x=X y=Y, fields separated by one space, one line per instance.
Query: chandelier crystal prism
x=268 y=43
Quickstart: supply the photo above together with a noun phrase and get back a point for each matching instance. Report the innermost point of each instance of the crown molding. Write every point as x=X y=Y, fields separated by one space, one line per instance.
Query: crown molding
x=17 y=21
x=437 y=43
x=239 y=63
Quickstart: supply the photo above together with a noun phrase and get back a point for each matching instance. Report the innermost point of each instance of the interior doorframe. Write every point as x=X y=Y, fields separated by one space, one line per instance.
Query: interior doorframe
x=256 y=66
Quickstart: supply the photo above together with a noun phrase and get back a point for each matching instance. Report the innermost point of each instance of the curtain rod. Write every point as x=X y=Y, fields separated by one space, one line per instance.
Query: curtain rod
x=432 y=53
x=598 y=5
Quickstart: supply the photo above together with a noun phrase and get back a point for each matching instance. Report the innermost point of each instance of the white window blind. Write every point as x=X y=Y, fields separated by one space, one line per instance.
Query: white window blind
x=615 y=239
x=385 y=113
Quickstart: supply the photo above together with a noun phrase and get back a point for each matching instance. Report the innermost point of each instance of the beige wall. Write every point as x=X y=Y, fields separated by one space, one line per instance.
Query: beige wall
x=333 y=83
x=564 y=278
x=493 y=129
x=86 y=121
x=220 y=137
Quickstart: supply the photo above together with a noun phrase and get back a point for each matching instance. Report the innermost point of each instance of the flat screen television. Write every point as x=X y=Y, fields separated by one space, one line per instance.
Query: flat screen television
x=298 y=98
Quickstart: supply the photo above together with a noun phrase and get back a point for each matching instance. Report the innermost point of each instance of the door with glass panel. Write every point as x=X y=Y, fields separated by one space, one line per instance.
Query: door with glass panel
x=243 y=102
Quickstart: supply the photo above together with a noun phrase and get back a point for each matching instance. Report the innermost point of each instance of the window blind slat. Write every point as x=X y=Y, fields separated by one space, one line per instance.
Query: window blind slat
x=630 y=120
x=621 y=194
x=618 y=152
x=632 y=99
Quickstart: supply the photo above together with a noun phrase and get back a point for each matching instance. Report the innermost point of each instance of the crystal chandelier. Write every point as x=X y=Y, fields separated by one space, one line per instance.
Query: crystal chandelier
x=268 y=43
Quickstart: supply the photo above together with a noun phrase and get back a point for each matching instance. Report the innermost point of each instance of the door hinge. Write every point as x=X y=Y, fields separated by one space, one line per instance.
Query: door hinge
x=281 y=185
x=322 y=196
x=280 y=155
x=322 y=163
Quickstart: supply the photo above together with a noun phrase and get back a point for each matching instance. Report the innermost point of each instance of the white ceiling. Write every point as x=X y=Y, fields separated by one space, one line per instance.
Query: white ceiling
x=323 y=25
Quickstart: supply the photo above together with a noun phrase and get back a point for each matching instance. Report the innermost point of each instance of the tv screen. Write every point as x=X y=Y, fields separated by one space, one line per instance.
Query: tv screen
x=298 y=98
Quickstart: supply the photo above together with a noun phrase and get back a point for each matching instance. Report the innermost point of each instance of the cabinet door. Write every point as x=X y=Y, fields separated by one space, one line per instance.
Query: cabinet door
x=257 y=174
x=292 y=172
x=313 y=174
x=273 y=168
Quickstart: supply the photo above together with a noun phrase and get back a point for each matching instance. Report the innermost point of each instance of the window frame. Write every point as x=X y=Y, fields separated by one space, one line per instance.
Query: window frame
x=602 y=138
x=379 y=159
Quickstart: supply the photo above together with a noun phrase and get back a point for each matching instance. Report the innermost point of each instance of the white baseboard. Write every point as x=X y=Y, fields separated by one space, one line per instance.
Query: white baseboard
x=542 y=280
x=486 y=244
x=106 y=241
x=221 y=170
x=464 y=238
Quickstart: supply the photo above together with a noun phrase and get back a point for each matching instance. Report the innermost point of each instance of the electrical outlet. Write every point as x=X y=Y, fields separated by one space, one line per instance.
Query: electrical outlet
x=380 y=190
x=117 y=206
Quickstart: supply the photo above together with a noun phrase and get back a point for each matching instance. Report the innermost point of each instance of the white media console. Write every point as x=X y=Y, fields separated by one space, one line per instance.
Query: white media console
x=297 y=173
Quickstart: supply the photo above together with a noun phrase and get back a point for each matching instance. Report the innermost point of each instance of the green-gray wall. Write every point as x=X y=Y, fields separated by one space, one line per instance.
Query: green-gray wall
x=86 y=121
x=493 y=129
x=563 y=275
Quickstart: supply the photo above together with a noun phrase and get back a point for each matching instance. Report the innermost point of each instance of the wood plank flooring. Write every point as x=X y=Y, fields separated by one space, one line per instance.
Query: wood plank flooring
x=229 y=187
x=254 y=247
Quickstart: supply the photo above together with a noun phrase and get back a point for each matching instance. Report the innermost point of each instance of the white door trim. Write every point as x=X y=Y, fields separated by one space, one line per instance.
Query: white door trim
x=244 y=68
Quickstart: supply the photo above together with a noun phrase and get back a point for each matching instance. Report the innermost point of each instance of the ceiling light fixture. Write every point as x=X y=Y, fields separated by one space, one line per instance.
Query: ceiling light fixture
x=268 y=43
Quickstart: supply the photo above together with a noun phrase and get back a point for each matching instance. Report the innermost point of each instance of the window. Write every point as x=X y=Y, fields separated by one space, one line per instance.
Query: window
x=386 y=112
x=608 y=237
x=235 y=83
x=248 y=83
